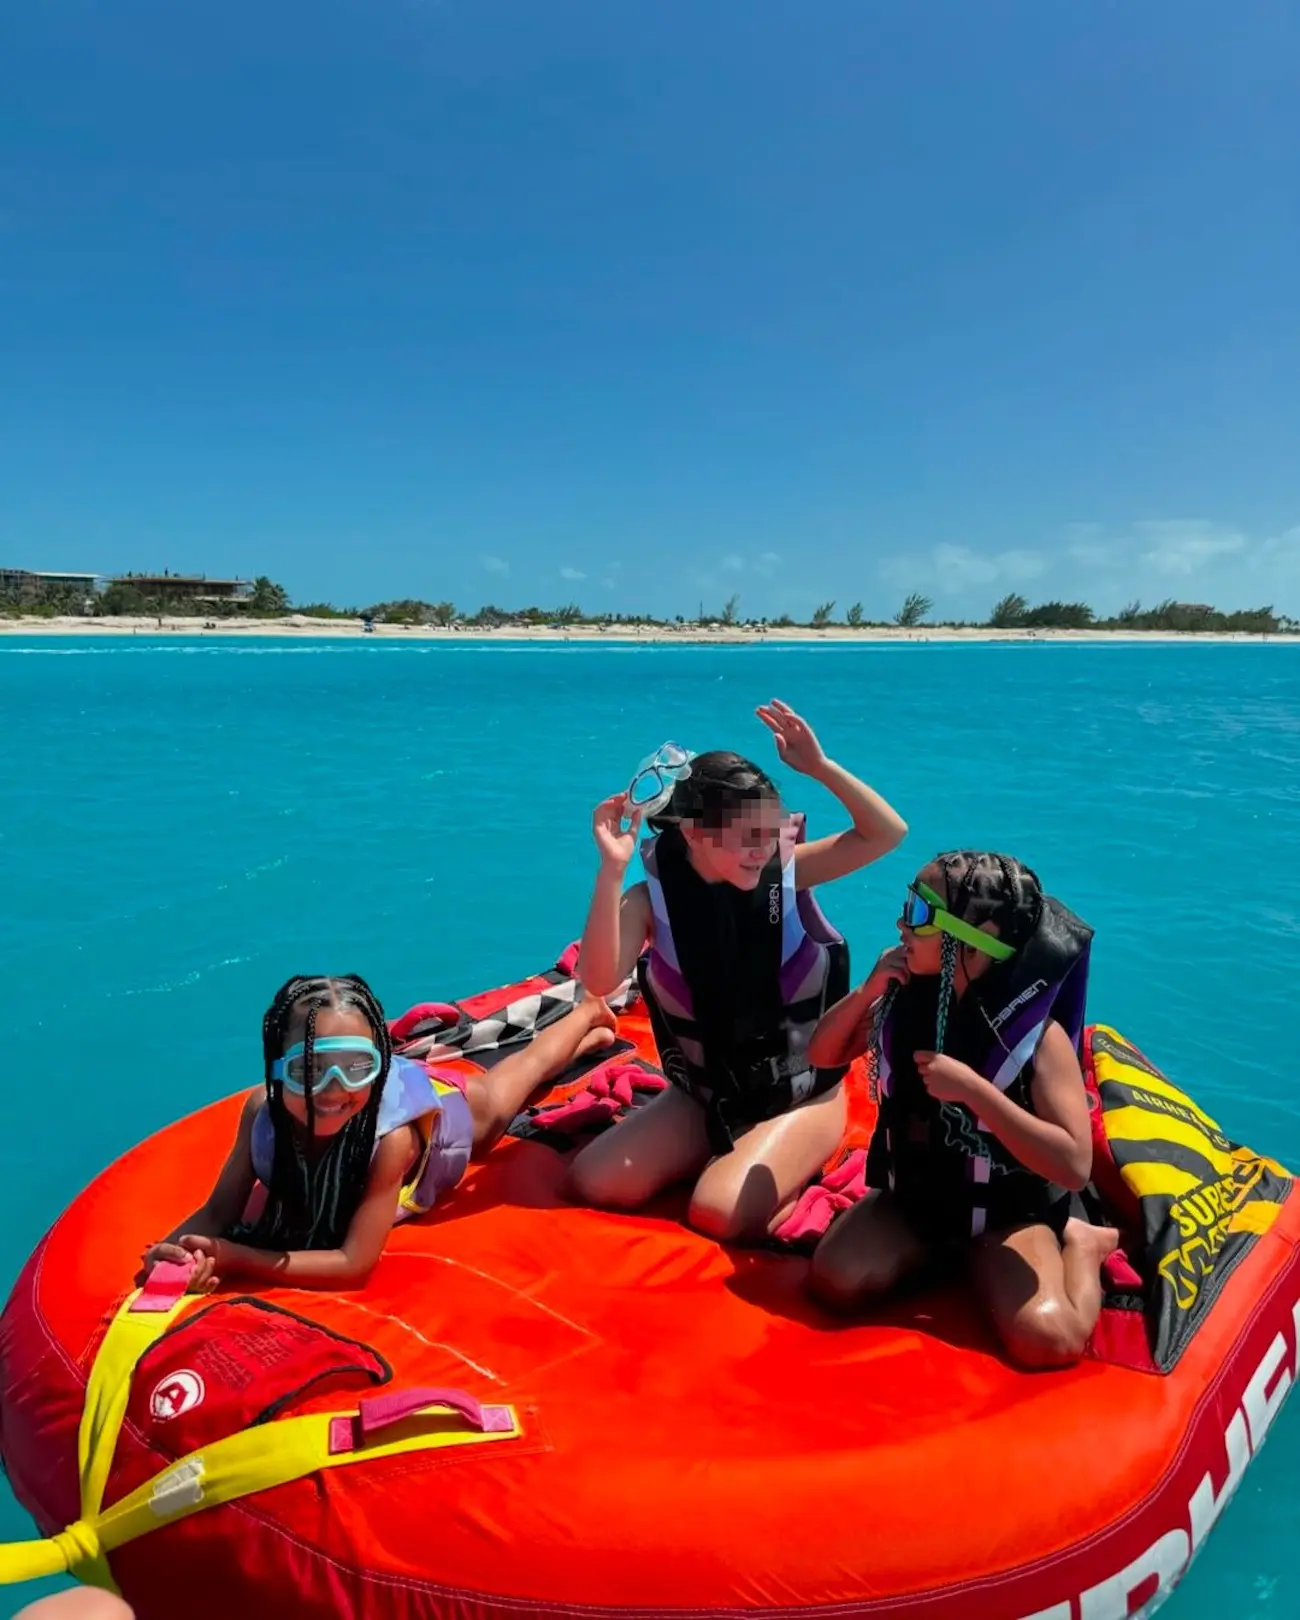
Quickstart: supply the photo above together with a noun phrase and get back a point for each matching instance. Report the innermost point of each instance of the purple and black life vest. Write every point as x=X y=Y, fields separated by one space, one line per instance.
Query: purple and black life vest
x=735 y=982
x=951 y=1175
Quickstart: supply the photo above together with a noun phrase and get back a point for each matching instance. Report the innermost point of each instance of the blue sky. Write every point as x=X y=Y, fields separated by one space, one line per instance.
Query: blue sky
x=642 y=302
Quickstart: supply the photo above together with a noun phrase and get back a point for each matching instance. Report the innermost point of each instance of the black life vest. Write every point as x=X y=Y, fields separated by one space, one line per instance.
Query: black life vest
x=735 y=982
x=954 y=1178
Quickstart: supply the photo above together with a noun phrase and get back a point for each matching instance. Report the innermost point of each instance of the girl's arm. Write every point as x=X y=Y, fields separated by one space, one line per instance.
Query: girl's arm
x=618 y=924
x=1056 y=1142
x=228 y=1198
x=877 y=826
x=344 y=1267
x=845 y=1032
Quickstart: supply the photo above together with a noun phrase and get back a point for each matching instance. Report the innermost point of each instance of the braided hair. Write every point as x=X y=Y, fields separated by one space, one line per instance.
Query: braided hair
x=310 y=1203
x=719 y=783
x=983 y=887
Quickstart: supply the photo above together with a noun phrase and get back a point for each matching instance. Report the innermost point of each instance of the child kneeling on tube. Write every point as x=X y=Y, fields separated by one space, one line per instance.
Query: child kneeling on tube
x=348 y=1138
x=983 y=1144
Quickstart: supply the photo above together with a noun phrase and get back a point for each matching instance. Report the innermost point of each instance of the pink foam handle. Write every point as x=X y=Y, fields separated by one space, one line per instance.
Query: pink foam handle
x=376 y=1412
x=810 y=1216
x=1118 y=1273
x=164 y=1286
x=837 y=1191
x=400 y=1028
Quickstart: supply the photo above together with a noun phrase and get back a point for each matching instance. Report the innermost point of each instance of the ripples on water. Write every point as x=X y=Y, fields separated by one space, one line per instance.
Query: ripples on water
x=182 y=826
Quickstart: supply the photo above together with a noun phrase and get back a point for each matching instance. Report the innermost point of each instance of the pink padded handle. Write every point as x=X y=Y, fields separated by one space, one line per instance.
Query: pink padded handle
x=165 y=1286
x=376 y=1412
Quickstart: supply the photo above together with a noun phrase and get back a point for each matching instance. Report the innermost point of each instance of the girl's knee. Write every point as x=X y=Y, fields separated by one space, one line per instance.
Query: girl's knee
x=601 y=1180
x=1044 y=1334
x=845 y=1281
x=723 y=1219
x=734 y=1201
x=587 y=1183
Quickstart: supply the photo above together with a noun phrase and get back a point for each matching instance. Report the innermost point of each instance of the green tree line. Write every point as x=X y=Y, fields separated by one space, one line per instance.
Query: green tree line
x=124 y=598
x=269 y=600
x=1013 y=612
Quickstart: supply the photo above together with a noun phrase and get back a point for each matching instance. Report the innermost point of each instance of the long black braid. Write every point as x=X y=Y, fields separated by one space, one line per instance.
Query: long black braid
x=311 y=1201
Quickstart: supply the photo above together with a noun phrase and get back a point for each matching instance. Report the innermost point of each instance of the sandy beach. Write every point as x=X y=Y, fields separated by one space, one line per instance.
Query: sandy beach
x=296 y=625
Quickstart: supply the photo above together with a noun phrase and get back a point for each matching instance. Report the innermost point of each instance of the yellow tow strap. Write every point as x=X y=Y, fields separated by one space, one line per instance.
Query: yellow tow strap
x=240 y=1465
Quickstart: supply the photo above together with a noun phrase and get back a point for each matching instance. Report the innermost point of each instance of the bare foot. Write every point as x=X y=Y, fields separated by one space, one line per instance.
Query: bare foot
x=595 y=1040
x=595 y=1011
x=601 y=1025
x=1097 y=1242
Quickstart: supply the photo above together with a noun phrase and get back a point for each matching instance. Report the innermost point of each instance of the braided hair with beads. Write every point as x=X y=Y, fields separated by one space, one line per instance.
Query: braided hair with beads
x=311 y=1201
x=983 y=887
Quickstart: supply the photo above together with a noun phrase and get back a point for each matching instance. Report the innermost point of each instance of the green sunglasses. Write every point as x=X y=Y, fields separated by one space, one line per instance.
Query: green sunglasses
x=924 y=913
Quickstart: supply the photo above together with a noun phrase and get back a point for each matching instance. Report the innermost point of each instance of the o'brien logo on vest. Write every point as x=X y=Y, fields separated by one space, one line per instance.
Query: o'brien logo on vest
x=1014 y=1006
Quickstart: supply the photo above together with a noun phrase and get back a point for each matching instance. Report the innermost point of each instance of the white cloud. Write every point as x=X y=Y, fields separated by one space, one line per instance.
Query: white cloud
x=1183 y=549
x=1184 y=558
x=720 y=576
x=1170 y=547
x=1283 y=549
x=572 y=573
x=951 y=571
x=495 y=565
x=1191 y=559
x=1187 y=558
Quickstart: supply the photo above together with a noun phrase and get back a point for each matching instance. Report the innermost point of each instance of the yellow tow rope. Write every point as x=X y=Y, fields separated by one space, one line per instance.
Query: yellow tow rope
x=224 y=1471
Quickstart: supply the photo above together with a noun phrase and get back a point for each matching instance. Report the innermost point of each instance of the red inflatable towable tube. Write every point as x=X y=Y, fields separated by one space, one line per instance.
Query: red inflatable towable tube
x=535 y=1409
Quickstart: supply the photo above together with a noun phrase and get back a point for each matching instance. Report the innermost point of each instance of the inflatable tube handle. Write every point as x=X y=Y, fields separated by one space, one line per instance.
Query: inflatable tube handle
x=164 y=1287
x=425 y=1012
x=375 y=1412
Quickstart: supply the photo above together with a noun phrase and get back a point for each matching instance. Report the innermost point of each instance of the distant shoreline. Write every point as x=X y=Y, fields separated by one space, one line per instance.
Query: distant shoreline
x=296 y=625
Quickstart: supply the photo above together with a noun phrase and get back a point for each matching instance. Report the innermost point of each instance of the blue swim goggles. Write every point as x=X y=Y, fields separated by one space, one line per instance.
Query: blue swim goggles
x=358 y=1064
x=652 y=787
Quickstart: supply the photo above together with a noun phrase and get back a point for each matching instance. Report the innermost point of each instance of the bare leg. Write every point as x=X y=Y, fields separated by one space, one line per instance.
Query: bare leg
x=739 y=1195
x=1043 y=1297
x=661 y=1143
x=866 y=1252
x=84 y=1603
x=496 y=1097
x=1083 y=1250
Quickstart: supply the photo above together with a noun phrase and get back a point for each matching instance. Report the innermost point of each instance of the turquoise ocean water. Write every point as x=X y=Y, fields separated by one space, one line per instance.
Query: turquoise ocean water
x=183 y=824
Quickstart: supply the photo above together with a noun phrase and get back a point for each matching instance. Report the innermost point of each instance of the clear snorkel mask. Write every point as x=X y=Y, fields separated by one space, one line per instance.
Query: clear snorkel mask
x=652 y=786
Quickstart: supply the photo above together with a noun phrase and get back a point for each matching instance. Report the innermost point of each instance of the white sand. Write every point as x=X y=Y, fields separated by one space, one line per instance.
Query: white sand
x=297 y=625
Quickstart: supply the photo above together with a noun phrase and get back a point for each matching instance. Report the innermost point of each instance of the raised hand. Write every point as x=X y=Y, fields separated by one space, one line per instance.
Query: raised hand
x=616 y=843
x=796 y=741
